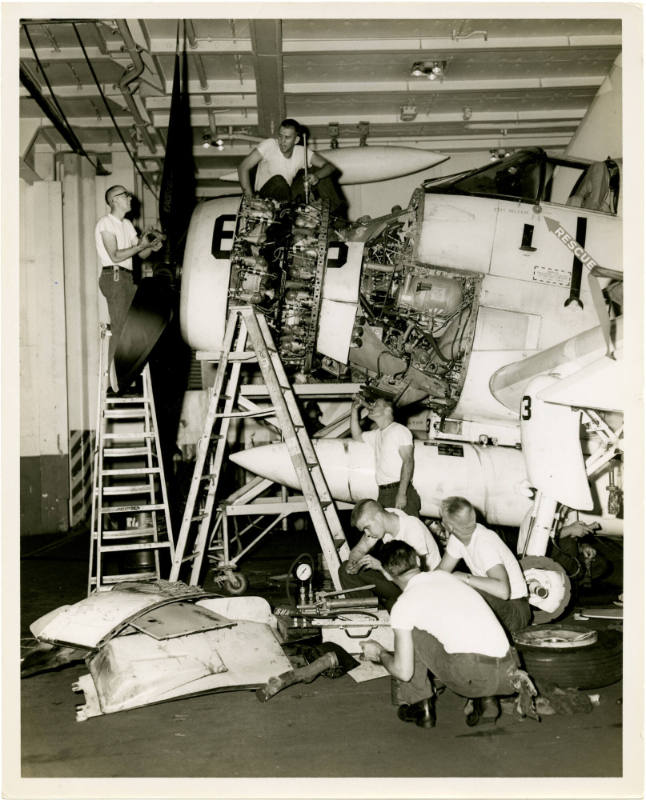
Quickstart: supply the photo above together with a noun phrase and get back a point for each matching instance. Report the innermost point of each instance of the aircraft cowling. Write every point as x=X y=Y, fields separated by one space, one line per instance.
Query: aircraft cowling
x=490 y=477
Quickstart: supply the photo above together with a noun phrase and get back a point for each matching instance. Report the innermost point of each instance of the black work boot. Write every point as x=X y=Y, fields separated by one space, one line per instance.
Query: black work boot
x=421 y=713
x=483 y=709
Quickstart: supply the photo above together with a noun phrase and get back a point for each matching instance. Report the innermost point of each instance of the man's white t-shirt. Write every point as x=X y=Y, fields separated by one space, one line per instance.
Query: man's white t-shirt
x=484 y=551
x=439 y=603
x=413 y=531
x=386 y=444
x=124 y=232
x=273 y=162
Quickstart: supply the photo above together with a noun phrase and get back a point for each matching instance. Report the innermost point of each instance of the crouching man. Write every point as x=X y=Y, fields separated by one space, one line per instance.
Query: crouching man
x=442 y=625
x=380 y=524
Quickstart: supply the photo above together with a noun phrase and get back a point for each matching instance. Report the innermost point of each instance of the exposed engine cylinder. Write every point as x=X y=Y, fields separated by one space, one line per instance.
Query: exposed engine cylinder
x=277 y=262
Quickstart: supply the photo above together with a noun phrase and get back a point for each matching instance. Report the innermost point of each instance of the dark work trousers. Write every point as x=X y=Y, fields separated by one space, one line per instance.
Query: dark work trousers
x=386 y=590
x=278 y=189
x=513 y=615
x=466 y=674
x=119 y=296
x=388 y=496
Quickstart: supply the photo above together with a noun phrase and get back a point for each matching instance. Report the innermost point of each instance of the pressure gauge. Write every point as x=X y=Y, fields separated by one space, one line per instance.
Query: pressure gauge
x=304 y=571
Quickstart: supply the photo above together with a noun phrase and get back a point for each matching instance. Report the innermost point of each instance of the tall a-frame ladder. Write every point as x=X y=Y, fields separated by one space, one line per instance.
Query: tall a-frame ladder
x=130 y=511
x=247 y=328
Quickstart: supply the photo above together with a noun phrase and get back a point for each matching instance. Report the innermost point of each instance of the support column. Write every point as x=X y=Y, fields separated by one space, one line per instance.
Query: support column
x=81 y=323
x=44 y=486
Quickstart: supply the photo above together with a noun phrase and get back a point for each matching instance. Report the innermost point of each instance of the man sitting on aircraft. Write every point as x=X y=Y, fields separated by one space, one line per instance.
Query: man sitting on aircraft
x=494 y=570
x=394 y=454
x=442 y=625
x=281 y=169
x=384 y=525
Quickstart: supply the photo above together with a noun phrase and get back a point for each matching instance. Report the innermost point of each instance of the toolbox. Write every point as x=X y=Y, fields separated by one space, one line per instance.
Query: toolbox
x=351 y=628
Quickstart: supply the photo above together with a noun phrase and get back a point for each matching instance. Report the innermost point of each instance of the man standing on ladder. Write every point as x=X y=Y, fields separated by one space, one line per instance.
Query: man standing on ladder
x=116 y=243
x=392 y=444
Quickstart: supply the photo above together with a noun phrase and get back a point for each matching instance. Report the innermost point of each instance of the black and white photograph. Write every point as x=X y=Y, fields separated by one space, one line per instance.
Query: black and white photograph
x=322 y=450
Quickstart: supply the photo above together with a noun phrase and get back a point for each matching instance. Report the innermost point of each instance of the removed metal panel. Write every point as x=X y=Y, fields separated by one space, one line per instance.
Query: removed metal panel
x=132 y=671
x=179 y=619
x=92 y=620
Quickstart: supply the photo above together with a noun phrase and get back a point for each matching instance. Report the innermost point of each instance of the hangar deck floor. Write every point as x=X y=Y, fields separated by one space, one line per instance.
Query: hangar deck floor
x=329 y=728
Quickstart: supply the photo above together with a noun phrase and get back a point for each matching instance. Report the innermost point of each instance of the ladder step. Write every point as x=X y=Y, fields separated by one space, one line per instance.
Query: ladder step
x=132 y=488
x=133 y=437
x=119 y=548
x=131 y=509
x=118 y=401
x=127 y=533
x=124 y=452
x=133 y=576
x=132 y=471
x=125 y=413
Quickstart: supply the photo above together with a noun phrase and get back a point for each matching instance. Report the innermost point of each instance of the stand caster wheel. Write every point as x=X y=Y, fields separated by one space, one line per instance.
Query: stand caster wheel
x=235 y=583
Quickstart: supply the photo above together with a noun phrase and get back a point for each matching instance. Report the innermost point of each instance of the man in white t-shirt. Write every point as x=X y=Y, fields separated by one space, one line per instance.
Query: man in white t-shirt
x=392 y=444
x=381 y=524
x=494 y=569
x=442 y=625
x=116 y=243
x=281 y=168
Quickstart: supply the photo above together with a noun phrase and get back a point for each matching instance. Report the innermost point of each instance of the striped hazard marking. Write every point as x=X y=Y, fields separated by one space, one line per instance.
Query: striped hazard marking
x=80 y=460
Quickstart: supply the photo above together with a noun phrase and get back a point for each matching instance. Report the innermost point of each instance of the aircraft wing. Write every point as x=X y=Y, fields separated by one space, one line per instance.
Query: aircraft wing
x=589 y=378
x=598 y=385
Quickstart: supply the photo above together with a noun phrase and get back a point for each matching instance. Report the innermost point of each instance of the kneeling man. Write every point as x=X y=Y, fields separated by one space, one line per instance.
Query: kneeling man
x=381 y=524
x=442 y=625
x=494 y=569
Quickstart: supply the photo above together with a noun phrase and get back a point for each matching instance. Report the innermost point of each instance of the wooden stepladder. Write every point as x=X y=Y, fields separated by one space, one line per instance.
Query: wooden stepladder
x=248 y=337
x=130 y=514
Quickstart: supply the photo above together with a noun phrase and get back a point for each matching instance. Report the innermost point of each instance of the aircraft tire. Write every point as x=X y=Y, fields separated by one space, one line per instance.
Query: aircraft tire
x=582 y=665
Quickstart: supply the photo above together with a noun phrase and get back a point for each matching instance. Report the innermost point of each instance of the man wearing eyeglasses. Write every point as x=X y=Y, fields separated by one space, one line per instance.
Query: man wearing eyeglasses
x=116 y=243
x=381 y=525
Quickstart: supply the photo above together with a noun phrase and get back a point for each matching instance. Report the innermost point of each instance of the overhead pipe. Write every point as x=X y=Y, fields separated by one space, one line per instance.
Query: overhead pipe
x=128 y=77
x=66 y=133
x=199 y=64
x=190 y=33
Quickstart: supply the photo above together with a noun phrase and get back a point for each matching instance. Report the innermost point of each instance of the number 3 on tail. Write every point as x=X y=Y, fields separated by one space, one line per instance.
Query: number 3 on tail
x=526 y=407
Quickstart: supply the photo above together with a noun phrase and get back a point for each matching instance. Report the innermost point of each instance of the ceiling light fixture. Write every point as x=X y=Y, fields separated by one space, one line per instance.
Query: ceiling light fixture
x=364 y=132
x=408 y=113
x=209 y=141
x=428 y=69
x=498 y=153
x=333 y=133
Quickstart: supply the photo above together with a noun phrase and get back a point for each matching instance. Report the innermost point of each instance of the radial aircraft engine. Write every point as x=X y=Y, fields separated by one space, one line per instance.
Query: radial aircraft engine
x=453 y=305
